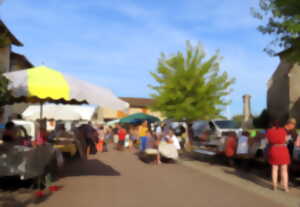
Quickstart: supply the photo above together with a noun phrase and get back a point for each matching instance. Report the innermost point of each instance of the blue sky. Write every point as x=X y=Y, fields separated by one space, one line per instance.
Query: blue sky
x=117 y=43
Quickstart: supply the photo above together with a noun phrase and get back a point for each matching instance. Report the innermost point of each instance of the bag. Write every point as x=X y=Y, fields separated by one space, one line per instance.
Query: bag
x=296 y=153
x=297 y=142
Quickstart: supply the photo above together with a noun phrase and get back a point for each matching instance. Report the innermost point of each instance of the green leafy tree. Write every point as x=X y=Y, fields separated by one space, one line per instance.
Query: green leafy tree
x=4 y=92
x=282 y=20
x=263 y=120
x=190 y=87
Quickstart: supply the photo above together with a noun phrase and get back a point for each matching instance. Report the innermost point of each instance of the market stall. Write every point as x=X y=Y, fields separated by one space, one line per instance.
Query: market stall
x=41 y=85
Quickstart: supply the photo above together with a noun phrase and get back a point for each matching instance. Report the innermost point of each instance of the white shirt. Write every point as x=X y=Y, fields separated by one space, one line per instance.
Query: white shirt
x=176 y=142
x=158 y=130
x=242 y=145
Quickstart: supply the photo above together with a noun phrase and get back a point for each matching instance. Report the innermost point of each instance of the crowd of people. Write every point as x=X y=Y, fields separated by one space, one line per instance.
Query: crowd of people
x=144 y=138
x=91 y=138
x=278 y=145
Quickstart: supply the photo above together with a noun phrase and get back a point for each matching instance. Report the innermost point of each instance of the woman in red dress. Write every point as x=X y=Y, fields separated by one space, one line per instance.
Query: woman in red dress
x=278 y=154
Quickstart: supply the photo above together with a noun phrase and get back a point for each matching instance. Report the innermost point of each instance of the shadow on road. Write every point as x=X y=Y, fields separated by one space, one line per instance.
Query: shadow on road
x=212 y=160
x=261 y=181
x=258 y=173
x=91 y=167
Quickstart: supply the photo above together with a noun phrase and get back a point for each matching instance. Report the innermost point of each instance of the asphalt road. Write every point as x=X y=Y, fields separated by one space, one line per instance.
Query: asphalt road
x=119 y=179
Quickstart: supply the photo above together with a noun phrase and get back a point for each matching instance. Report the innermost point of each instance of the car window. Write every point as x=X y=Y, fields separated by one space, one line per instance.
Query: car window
x=227 y=124
x=212 y=126
x=198 y=128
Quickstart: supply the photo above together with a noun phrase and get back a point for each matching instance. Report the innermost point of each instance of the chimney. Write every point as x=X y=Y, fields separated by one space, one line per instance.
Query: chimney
x=247 y=121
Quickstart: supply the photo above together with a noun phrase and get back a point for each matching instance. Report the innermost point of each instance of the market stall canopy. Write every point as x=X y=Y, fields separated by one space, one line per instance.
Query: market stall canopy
x=113 y=122
x=42 y=84
x=60 y=112
x=139 y=117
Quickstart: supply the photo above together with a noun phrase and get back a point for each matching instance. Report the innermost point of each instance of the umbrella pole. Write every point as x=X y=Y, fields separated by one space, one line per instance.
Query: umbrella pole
x=41 y=110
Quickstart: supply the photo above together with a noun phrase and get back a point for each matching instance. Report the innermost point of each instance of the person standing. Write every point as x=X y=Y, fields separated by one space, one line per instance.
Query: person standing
x=172 y=139
x=278 y=154
x=115 y=136
x=122 y=136
x=158 y=132
x=230 y=147
x=100 y=144
x=291 y=131
x=242 y=146
x=179 y=131
x=10 y=133
x=143 y=134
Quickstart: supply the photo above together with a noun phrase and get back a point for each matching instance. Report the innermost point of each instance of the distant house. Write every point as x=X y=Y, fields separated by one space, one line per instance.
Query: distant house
x=283 y=98
x=136 y=105
x=11 y=61
x=19 y=62
x=7 y=40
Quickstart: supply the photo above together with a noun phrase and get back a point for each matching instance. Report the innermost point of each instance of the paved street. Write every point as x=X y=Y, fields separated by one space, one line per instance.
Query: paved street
x=120 y=179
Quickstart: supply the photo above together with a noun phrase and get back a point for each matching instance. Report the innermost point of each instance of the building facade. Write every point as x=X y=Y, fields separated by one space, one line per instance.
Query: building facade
x=283 y=96
x=11 y=61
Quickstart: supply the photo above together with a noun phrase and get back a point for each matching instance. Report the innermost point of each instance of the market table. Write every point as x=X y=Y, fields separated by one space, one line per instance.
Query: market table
x=67 y=148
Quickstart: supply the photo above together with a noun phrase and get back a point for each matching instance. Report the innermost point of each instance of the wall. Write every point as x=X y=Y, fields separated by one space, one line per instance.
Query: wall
x=4 y=67
x=15 y=67
x=294 y=77
x=278 y=92
x=4 y=59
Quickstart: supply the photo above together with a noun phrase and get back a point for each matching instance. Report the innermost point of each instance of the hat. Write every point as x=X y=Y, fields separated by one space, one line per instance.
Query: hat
x=292 y=121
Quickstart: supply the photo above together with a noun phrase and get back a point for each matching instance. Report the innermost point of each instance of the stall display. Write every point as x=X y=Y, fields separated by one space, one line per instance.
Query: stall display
x=25 y=162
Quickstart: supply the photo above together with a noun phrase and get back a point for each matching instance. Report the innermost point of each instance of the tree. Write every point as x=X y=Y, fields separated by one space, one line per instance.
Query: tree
x=263 y=120
x=4 y=92
x=282 y=19
x=190 y=87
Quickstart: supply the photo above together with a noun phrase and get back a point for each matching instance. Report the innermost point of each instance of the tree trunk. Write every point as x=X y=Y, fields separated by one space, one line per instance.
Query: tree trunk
x=188 y=145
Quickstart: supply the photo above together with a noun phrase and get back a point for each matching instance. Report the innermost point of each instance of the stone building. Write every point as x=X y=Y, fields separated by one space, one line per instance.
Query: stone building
x=283 y=96
x=11 y=61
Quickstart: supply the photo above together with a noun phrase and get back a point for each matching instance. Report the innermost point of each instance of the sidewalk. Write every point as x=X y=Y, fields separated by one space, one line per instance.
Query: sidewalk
x=246 y=181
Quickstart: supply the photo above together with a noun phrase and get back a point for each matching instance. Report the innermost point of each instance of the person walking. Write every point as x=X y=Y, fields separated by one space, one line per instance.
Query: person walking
x=278 y=154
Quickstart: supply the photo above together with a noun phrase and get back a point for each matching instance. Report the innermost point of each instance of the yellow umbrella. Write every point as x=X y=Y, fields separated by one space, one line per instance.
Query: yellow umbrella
x=42 y=84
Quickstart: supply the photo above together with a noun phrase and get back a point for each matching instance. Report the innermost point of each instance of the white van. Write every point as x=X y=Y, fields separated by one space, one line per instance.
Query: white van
x=208 y=137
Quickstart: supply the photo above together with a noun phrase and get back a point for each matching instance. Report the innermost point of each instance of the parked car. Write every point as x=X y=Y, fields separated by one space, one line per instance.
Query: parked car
x=208 y=137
